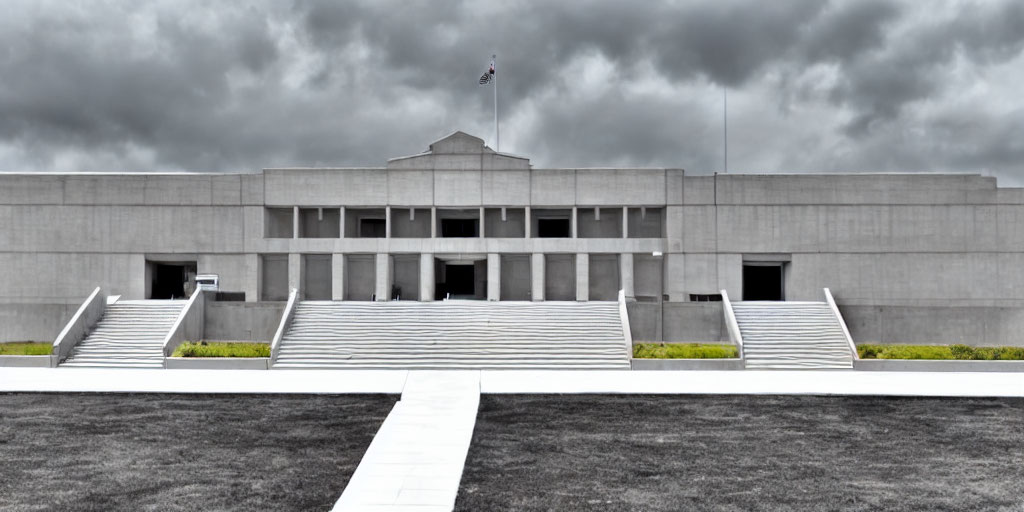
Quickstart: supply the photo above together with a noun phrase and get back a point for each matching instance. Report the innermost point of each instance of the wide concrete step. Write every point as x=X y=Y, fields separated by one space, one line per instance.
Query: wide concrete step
x=130 y=334
x=455 y=334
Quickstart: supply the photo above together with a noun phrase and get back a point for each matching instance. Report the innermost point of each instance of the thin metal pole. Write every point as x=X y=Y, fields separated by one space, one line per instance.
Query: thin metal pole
x=725 y=130
x=497 y=137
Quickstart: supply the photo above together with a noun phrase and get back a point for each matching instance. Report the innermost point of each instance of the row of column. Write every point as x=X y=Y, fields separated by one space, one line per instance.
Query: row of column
x=383 y=264
x=433 y=221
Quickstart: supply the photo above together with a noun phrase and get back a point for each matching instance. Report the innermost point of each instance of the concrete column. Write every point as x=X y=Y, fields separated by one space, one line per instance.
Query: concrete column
x=626 y=274
x=387 y=222
x=537 y=277
x=252 y=278
x=529 y=223
x=582 y=277
x=625 y=225
x=295 y=272
x=574 y=224
x=427 y=277
x=341 y=223
x=295 y=222
x=433 y=222
x=337 y=276
x=481 y=222
x=493 y=277
x=382 y=289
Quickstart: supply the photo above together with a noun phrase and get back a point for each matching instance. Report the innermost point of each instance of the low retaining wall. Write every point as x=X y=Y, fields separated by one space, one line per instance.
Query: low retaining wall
x=685 y=364
x=217 y=363
x=928 y=365
x=25 y=361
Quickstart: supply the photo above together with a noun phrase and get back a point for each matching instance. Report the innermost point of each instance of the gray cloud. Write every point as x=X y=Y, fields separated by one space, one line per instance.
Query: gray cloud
x=875 y=85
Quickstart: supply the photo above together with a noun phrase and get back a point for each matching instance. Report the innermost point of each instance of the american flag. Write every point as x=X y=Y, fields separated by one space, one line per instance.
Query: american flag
x=488 y=76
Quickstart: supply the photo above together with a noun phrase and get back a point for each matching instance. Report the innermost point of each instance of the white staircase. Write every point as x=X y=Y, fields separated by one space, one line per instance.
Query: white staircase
x=792 y=335
x=130 y=334
x=455 y=334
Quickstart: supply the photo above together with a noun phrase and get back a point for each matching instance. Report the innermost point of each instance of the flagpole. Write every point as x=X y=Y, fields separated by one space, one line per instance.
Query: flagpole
x=497 y=138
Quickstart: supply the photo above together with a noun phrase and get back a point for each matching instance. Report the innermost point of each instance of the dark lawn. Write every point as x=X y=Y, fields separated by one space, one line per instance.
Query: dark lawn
x=587 y=452
x=181 y=452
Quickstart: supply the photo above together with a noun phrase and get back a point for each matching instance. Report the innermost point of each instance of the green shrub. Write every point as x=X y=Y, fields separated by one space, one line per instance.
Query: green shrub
x=958 y=351
x=28 y=348
x=222 y=349
x=684 y=351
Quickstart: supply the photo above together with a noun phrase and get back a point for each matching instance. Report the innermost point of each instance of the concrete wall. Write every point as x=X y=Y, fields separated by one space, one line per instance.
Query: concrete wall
x=515 y=277
x=242 y=321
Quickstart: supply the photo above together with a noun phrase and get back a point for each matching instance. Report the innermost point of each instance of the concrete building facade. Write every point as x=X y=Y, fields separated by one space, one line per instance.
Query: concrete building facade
x=911 y=258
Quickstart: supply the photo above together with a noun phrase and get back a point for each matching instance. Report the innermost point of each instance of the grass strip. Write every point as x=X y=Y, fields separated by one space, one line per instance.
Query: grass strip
x=222 y=349
x=684 y=351
x=940 y=352
x=27 y=348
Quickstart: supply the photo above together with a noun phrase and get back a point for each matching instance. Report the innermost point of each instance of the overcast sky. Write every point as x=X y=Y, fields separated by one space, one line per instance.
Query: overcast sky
x=813 y=86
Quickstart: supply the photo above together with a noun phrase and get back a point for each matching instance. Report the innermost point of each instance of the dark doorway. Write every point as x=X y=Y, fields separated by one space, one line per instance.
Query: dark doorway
x=170 y=280
x=460 y=228
x=763 y=281
x=465 y=280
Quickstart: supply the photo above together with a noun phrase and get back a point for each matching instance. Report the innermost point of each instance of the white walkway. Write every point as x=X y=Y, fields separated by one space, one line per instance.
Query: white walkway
x=840 y=382
x=415 y=461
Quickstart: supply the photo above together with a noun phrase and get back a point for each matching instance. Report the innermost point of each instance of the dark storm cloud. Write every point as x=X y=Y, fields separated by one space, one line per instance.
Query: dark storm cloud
x=826 y=86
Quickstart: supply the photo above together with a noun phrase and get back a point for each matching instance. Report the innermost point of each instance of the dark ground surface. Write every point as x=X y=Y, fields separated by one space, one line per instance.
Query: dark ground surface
x=74 y=452
x=586 y=452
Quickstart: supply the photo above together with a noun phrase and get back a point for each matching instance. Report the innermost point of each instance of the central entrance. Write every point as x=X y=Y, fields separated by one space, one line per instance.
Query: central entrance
x=170 y=279
x=460 y=277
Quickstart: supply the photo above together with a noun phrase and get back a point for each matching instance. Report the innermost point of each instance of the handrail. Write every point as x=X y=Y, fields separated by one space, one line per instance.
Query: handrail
x=88 y=314
x=730 y=323
x=624 y=316
x=839 y=317
x=177 y=333
x=286 y=319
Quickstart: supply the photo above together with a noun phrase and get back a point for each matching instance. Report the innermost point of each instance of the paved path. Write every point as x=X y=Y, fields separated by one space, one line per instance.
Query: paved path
x=415 y=461
x=393 y=381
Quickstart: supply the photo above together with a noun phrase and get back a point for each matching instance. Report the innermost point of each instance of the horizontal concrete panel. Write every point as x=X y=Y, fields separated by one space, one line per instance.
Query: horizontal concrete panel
x=63 y=278
x=506 y=188
x=325 y=187
x=854 y=189
x=410 y=187
x=620 y=187
x=122 y=228
x=553 y=187
x=105 y=189
x=31 y=189
x=935 y=325
x=457 y=187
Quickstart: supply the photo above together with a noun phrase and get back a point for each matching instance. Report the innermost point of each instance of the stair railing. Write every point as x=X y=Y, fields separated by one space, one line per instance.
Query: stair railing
x=83 y=321
x=842 y=323
x=730 y=323
x=189 y=323
x=624 y=316
x=286 y=320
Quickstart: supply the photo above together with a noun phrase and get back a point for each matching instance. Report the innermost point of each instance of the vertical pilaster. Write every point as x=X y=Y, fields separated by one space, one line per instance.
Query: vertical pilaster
x=382 y=289
x=433 y=222
x=341 y=223
x=537 y=277
x=626 y=274
x=387 y=222
x=427 y=277
x=625 y=223
x=529 y=223
x=295 y=222
x=482 y=213
x=493 y=276
x=574 y=222
x=337 y=276
x=582 y=277
x=252 y=278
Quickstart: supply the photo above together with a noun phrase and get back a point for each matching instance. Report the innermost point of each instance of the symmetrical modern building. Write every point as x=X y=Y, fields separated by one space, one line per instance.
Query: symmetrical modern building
x=910 y=258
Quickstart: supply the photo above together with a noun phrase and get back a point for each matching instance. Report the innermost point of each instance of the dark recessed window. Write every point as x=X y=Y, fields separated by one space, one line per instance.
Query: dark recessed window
x=460 y=228
x=705 y=297
x=553 y=228
x=372 y=228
